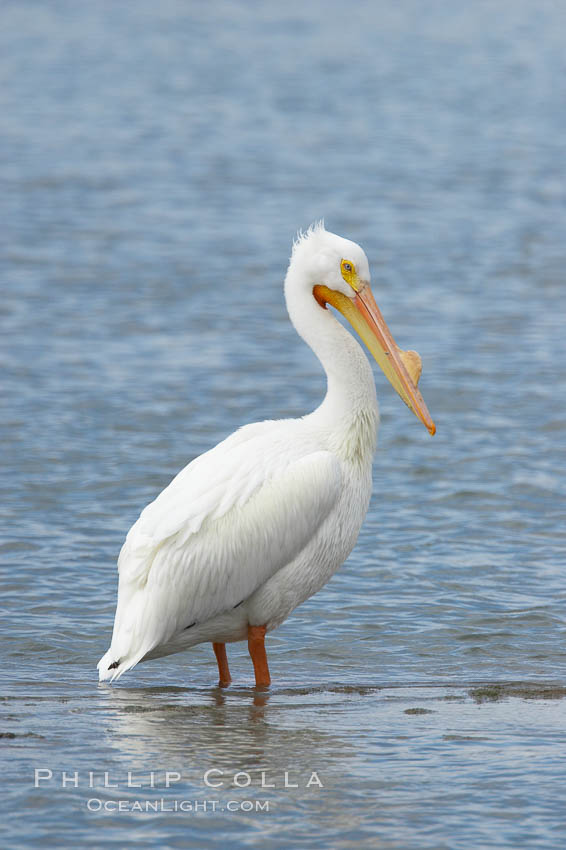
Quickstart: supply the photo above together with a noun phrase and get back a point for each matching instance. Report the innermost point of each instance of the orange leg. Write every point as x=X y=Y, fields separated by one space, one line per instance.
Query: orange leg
x=222 y=660
x=256 y=646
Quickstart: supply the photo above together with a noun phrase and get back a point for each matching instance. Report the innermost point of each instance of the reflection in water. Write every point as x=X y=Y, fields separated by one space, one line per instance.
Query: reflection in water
x=198 y=729
x=241 y=743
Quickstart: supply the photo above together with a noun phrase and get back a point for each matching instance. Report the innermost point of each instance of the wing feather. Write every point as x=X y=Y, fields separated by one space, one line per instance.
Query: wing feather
x=227 y=523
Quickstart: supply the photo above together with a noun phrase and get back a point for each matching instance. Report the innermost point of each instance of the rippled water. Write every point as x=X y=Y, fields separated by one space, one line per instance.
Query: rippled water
x=156 y=160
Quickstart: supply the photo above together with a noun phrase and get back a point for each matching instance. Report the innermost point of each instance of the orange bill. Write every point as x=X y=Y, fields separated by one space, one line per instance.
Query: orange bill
x=401 y=368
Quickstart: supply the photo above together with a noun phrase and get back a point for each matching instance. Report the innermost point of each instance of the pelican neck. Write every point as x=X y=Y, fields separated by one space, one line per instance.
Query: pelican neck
x=350 y=384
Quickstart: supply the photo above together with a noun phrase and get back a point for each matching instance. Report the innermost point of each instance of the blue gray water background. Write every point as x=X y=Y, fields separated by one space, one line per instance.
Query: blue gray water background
x=155 y=163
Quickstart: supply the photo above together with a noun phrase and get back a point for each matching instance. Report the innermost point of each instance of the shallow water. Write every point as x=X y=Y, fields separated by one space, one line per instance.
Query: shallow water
x=155 y=166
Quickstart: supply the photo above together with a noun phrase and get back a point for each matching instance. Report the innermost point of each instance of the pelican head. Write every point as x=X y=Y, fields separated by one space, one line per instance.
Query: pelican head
x=336 y=272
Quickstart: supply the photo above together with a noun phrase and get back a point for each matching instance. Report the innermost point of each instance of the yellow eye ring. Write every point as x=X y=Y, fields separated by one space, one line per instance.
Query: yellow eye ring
x=349 y=274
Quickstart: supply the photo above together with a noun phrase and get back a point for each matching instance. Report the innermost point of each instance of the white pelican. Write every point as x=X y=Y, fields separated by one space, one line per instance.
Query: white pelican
x=253 y=527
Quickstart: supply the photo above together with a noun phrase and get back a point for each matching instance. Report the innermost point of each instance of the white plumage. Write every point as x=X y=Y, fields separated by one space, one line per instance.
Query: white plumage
x=253 y=527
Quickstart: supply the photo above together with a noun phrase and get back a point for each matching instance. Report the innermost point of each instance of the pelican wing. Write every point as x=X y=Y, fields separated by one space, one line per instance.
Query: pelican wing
x=228 y=522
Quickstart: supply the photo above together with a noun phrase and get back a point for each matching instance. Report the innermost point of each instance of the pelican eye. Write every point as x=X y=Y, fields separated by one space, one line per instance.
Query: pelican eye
x=350 y=274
